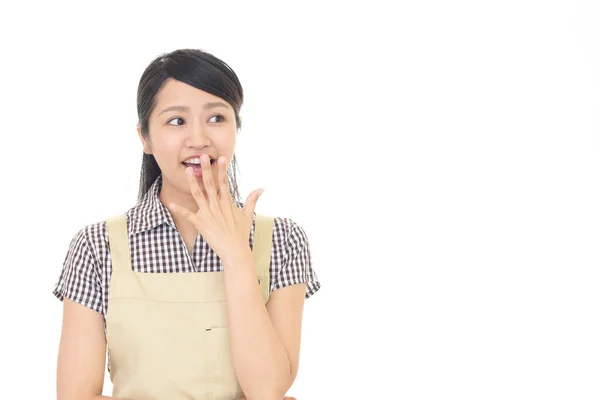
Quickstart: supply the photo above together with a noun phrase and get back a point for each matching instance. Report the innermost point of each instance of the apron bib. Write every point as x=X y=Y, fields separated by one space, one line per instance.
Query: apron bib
x=167 y=334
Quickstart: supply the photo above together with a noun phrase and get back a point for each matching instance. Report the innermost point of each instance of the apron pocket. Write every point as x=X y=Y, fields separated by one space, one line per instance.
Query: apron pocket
x=220 y=365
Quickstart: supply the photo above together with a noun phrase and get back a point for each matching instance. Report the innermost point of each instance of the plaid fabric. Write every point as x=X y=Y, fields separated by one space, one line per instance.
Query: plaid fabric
x=157 y=247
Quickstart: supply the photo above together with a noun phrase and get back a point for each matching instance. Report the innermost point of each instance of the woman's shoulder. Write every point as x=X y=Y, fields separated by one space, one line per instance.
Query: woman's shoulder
x=90 y=233
x=93 y=236
x=88 y=243
x=286 y=228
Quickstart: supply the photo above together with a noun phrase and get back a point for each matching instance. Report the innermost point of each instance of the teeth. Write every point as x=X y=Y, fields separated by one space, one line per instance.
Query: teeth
x=196 y=161
x=193 y=161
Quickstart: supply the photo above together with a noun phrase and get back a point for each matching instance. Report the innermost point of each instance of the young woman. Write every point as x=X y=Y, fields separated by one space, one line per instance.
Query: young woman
x=191 y=293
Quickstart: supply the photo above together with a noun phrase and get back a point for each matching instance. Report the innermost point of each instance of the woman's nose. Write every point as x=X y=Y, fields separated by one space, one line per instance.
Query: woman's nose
x=198 y=136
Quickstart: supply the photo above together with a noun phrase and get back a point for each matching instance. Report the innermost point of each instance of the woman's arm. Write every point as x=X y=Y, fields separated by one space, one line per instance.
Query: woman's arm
x=82 y=354
x=265 y=341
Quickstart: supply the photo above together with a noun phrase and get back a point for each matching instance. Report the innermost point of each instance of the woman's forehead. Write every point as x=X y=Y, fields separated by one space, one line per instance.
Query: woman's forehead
x=177 y=92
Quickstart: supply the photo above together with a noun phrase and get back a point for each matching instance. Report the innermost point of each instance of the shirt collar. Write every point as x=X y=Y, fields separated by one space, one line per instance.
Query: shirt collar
x=150 y=212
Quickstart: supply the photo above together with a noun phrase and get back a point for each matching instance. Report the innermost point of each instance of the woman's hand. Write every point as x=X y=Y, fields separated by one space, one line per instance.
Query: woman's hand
x=221 y=223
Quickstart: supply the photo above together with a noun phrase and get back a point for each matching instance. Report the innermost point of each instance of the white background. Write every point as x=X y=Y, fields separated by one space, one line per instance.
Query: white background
x=443 y=158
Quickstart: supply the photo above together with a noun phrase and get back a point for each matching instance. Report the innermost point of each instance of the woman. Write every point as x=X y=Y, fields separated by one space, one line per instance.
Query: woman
x=191 y=293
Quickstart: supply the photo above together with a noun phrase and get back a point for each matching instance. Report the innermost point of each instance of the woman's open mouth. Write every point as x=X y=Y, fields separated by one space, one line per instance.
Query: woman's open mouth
x=194 y=163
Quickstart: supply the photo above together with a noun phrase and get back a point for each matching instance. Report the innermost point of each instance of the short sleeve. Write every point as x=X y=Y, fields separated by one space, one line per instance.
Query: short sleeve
x=79 y=279
x=297 y=261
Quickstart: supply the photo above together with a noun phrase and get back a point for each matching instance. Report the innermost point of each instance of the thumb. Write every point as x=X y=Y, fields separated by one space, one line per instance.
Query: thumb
x=250 y=203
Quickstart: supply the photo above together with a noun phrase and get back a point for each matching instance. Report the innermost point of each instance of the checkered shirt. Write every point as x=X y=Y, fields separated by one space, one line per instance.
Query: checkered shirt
x=157 y=247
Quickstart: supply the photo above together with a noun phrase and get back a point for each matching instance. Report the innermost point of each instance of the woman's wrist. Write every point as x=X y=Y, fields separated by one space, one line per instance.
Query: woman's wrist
x=238 y=258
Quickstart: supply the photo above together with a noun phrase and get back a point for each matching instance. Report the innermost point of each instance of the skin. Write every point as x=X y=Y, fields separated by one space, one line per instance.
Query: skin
x=265 y=341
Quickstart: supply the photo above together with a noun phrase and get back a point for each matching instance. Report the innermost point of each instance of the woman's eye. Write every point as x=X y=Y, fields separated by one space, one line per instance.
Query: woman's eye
x=218 y=116
x=176 y=119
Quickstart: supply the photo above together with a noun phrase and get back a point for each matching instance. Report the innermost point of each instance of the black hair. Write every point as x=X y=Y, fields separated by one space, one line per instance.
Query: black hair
x=200 y=70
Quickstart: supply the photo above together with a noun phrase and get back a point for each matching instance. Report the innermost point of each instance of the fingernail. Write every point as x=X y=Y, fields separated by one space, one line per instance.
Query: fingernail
x=261 y=192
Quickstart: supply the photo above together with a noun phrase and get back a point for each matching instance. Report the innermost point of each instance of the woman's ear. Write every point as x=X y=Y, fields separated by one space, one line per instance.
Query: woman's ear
x=145 y=143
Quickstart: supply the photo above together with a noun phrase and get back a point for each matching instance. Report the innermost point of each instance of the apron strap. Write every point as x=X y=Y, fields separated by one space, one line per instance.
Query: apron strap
x=261 y=251
x=118 y=241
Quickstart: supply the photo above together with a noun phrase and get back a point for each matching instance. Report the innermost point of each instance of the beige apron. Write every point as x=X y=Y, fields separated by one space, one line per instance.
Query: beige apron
x=167 y=333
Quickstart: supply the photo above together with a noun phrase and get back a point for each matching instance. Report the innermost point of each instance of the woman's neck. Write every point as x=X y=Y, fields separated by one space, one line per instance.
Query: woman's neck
x=170 y=194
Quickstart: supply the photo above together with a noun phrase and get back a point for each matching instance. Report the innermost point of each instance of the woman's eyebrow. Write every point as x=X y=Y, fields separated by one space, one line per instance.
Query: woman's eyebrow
x=206 y=106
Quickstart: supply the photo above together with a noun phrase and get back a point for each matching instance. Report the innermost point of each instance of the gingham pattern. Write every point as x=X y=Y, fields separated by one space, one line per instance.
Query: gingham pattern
x=157 y=247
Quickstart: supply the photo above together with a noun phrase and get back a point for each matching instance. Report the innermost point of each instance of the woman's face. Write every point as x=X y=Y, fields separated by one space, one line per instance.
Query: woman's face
x=188 y=122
